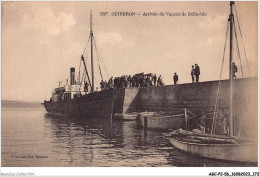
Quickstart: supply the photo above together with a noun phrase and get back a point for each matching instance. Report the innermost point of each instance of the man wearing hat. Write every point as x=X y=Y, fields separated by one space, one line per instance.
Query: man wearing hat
x=192 y=73
x=175 y=78
x=197 y=72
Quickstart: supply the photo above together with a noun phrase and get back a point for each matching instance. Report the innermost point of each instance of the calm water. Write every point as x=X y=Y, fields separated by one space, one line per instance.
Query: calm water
x=28 y=132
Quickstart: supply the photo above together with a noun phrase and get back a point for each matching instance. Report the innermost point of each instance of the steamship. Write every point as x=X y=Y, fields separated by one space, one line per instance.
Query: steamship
x=82 y=100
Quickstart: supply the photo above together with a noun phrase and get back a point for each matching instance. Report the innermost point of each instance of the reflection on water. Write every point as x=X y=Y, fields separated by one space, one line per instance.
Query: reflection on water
x=66 y=141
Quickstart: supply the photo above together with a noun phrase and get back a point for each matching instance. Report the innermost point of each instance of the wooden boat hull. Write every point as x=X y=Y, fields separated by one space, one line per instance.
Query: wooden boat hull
x=231 y=152
x=126 y=117
x=162 y=122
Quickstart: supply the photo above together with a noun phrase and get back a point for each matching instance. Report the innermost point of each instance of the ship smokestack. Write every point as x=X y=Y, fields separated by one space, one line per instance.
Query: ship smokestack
x=72 y=76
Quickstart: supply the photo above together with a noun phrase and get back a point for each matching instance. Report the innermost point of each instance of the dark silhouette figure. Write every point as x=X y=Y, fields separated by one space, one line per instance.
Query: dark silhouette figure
x=175 y=78
x=192 y=73
x=234 y=70
x=197 y=72
x=86 y=87
x=159 y=81
x=154 y=80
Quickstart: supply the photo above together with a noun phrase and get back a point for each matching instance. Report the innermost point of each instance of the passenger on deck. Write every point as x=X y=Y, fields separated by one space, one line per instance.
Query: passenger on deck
x=150 y=82
x=125 y=81
x=137 y=80
x=86 y=87
x=105 y=85
x=129 y=81
x=154 y=79
x=110 y=83
x=102 y=85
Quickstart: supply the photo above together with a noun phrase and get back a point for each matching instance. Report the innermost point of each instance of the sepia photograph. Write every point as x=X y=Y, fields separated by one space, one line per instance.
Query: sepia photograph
x=129 y=84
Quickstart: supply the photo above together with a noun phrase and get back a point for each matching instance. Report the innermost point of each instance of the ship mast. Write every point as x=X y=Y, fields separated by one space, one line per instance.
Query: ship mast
x=230 y=19
x=92 y=64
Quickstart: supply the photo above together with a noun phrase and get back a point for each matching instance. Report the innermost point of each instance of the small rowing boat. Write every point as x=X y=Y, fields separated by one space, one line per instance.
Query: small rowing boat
x=162 y=121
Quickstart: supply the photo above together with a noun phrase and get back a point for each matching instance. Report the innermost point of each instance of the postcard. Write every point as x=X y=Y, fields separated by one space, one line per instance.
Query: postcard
x=129 y=84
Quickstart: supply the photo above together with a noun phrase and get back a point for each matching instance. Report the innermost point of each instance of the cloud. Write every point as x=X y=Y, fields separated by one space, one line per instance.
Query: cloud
x=209 y=41
x=65 y=21
x=48 y=24
x=213 y=23
x=111 y=38
x=168 y=55
x=214 y=28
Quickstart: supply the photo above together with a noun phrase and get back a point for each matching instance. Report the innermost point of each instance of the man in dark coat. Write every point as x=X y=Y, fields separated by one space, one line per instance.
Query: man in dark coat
x=175 y=78
x=234 y=70
x=159 y=81
x=197 y=72
x=192 y=73
x=102 y=85
x=154 y=79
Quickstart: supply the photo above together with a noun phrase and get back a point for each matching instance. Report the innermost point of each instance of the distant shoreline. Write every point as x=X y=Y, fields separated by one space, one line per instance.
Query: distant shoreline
x=15 y=101
x=19 y=104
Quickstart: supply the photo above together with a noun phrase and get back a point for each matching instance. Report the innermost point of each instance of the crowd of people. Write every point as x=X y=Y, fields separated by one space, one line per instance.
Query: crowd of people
x=137 y=80
x=150 y=80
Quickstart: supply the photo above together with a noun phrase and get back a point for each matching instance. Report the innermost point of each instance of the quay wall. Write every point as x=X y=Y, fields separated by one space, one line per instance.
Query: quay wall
x=197 y=97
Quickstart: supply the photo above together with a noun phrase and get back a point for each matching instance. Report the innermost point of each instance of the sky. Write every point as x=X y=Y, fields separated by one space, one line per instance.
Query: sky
x=42 y=40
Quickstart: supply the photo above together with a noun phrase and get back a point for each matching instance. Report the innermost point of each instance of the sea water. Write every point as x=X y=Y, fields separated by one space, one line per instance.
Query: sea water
x=33 y=138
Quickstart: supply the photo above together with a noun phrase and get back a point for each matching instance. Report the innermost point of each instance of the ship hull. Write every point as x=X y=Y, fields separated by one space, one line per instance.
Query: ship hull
x=96 y=105
x=157 y=122
x=230 y=152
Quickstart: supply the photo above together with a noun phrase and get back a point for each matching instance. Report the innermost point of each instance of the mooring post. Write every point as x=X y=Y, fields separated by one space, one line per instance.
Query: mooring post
x=112 y=107
x=145 y=122
x=186 y=118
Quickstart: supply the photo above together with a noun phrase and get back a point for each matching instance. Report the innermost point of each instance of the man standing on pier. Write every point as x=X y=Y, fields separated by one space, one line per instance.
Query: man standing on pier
x=197 y=72
x=234 y=70
x=192 y=73
x=154 y=79
x=175 y=78
x=159 y=81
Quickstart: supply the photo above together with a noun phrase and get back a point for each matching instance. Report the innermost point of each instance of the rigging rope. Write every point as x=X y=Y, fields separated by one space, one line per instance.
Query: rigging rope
x=80 y=81
x=84 y=73
x=242 y=41
x=86 y=45
x=213 y=127
x=98 y=59
x=87 y=66
x=246 y=93
x=238 y=51
x=85 y=78
x=79 y=71
x=86 y=59
x=61 y=81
